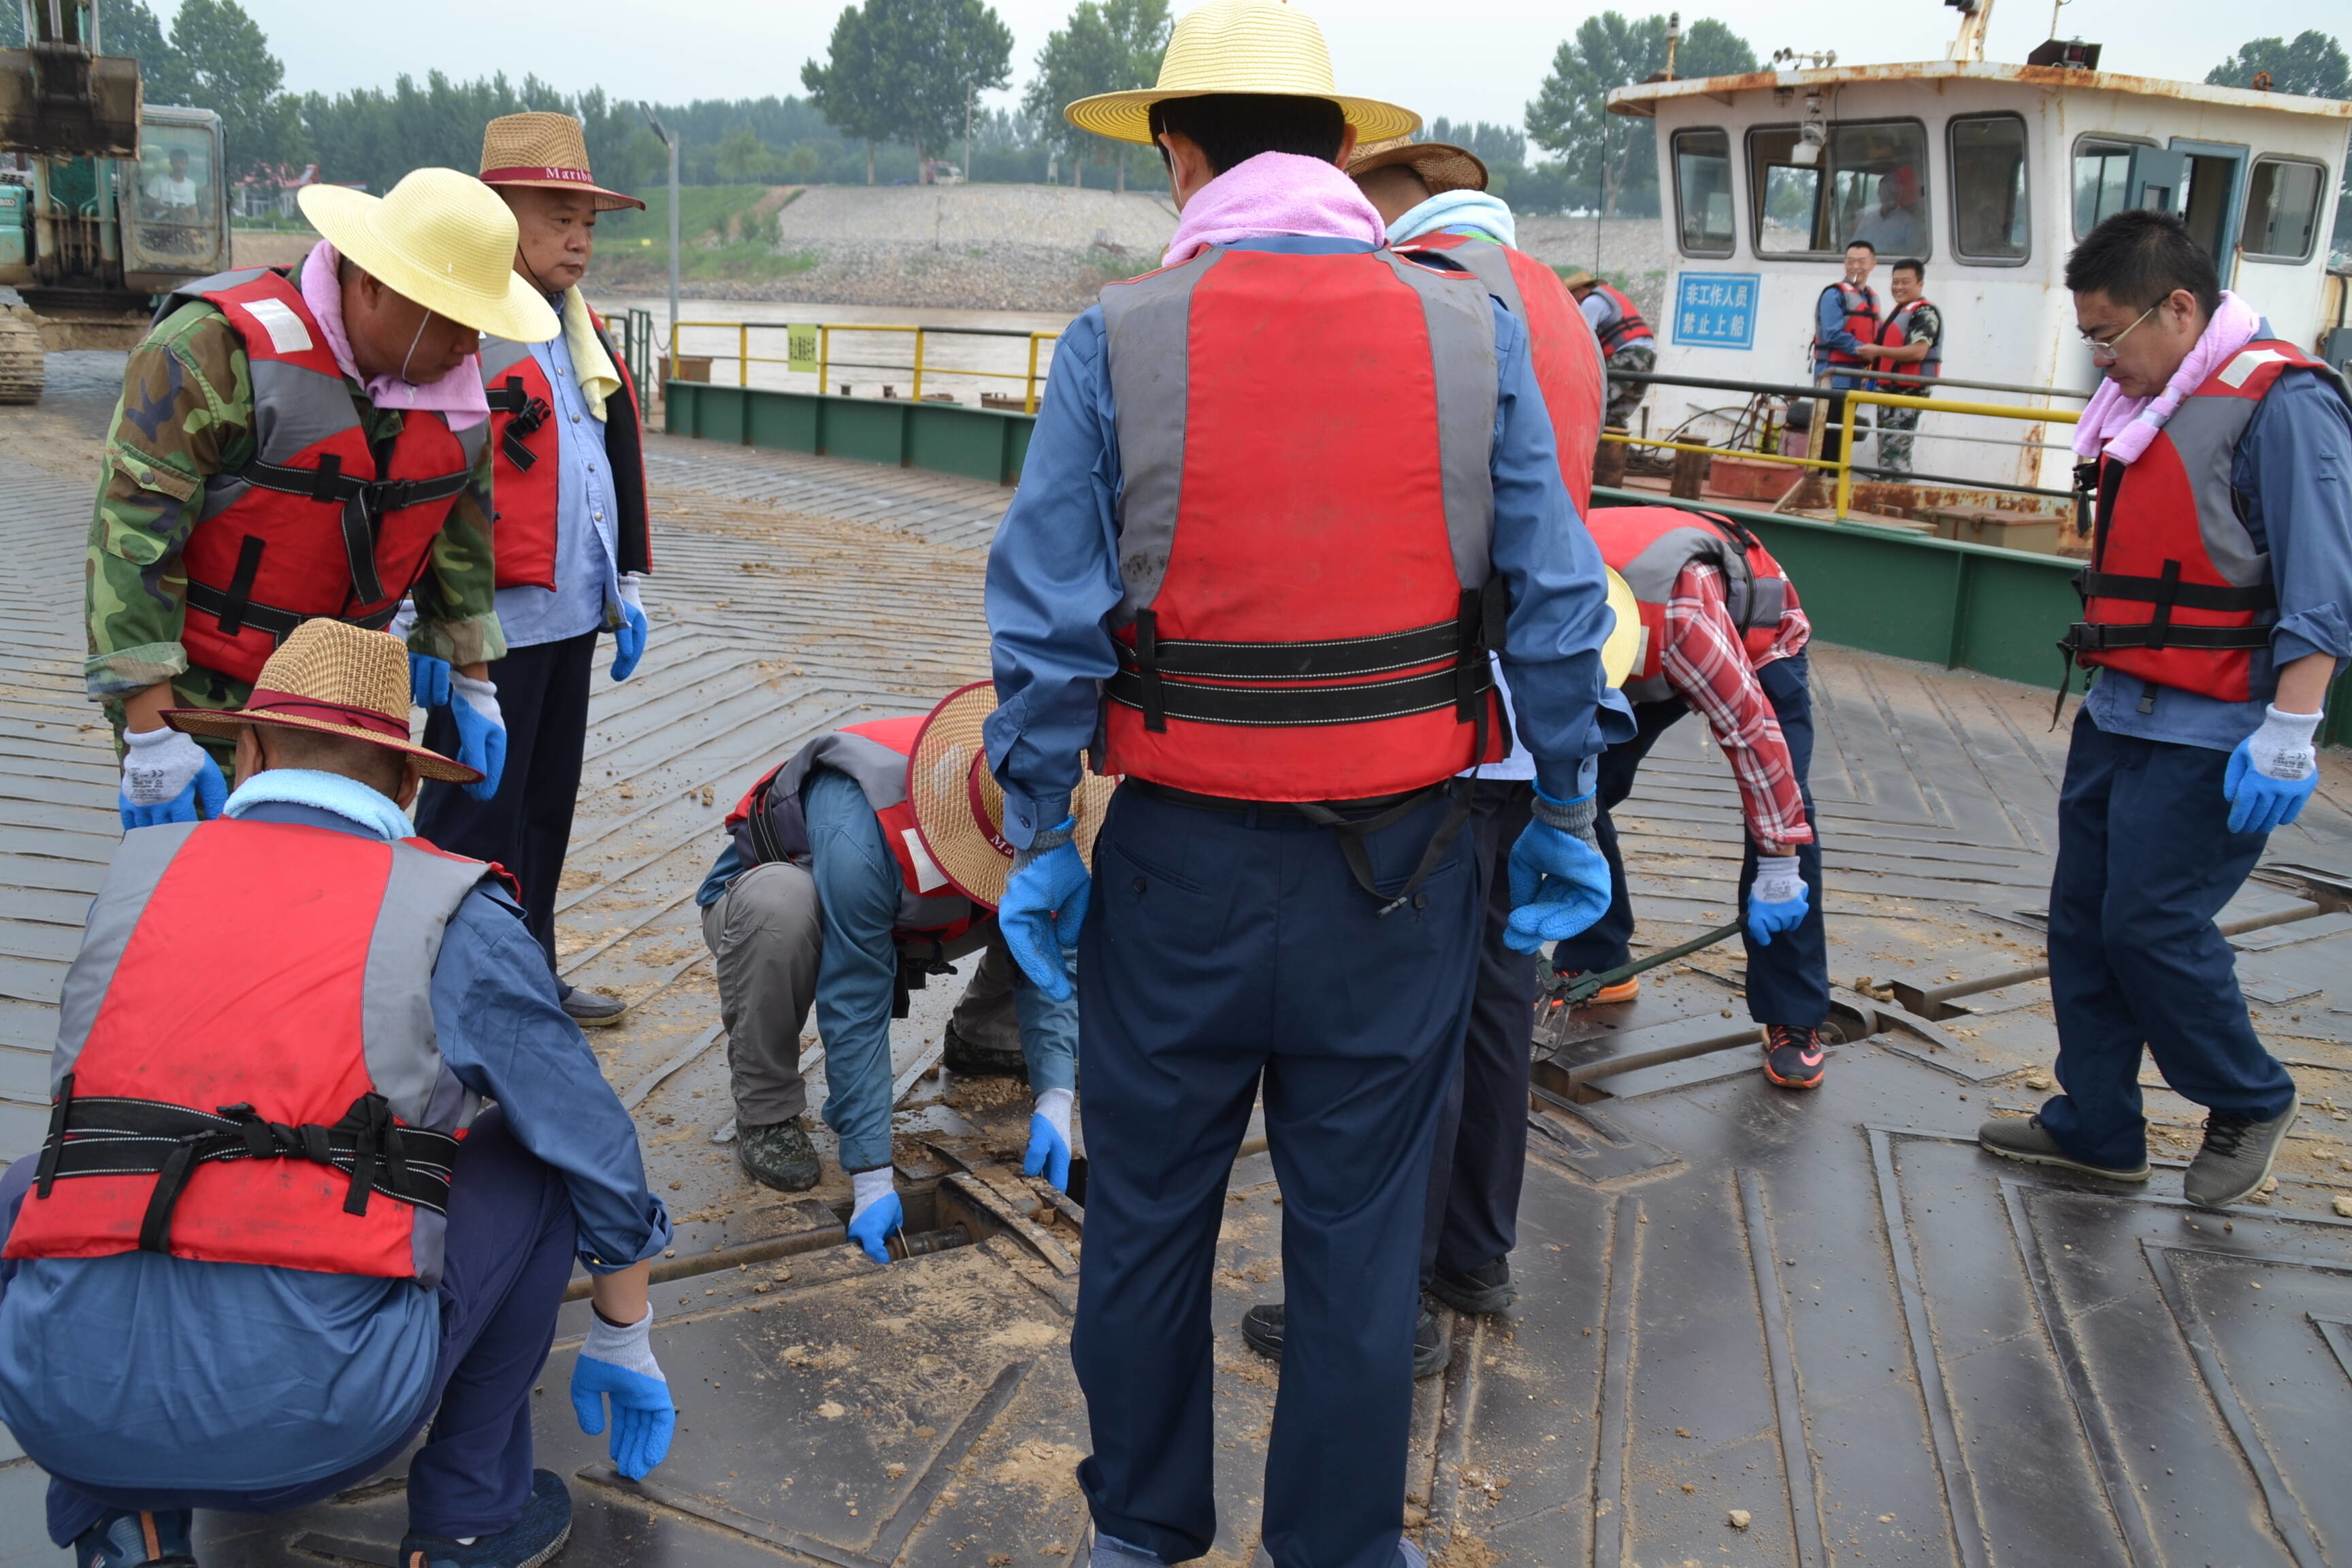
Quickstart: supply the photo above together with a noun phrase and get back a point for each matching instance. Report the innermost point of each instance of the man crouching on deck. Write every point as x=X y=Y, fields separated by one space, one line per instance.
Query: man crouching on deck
x=273 y=1232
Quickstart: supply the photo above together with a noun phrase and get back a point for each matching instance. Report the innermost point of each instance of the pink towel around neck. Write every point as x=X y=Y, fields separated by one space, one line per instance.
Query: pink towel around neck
x=1272 y=193
x=2125 y=426
x=458 y=396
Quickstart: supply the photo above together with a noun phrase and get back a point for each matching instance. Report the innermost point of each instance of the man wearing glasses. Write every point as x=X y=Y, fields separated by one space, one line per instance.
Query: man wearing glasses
x=2218 y=607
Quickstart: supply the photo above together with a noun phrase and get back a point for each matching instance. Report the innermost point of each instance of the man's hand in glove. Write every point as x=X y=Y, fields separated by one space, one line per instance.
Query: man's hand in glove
x=1044 y=904
x=167 y=777
x=629 y=636
x=2271 y=772
x=428 y=682
x=482 y=731
x=1775 y=899
x=1559 y=883
x=877 y=1213
x=617 y=1364
x=1049 y=1139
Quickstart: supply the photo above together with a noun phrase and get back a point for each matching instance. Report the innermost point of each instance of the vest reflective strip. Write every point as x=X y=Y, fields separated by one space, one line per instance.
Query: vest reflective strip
x=1462 y=348
x=498 y=356
x=2205 y=432
x=1491 y=265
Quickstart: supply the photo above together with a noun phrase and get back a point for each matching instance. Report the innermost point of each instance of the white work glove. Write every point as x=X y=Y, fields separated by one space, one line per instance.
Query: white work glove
x=404 y=620
x=482 y=731
x=167 y=777
x=1049 y=1139
x=876 y=1213
x=2272 y=771
x=617 y=1365
x=632 y=595
x=1777 y=899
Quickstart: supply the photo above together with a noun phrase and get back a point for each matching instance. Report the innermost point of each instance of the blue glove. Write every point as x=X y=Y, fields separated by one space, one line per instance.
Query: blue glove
x=1777 y=899
x=167 y=777
x=2272 y=771
x=1044 y=904
x=482 y=731
x=1559 y=882
x=628 y=642
x=1049 y=1139
x=428 y=682
x=617 y=1364
x=879 y=1214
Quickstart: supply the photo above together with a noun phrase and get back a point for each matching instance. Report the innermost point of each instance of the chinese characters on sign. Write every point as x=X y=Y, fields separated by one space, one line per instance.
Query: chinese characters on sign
x=801 y=348
x=1716 y=309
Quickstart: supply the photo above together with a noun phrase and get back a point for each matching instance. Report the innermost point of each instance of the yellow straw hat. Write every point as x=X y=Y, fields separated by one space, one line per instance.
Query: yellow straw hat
x=960 y=807
x=441 y=238
x=1240 y=45
x=1441 y=165
x=1624 y=646
x=549 y=150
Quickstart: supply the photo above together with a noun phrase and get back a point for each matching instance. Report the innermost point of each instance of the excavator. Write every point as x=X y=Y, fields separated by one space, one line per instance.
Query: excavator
x=106 y=202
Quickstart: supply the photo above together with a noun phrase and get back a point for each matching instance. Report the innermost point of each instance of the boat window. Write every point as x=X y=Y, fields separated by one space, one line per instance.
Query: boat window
x=1989 y=213
x=2102 y=182
x=1868 y=182
x=2283 y=210
x=1703 y=192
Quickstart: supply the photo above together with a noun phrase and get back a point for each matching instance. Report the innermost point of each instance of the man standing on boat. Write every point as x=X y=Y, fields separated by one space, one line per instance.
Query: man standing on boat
x=1912 y=343
x=2218 y=608
x=1626 y=343
x=1845 y=335
x=1283 y=498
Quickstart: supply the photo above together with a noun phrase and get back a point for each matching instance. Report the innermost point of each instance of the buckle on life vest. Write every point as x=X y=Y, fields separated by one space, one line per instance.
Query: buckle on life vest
x=528 y=413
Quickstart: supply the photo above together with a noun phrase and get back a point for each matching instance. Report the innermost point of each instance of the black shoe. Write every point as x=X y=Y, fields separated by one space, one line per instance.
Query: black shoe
x=1433 y=1348
x=1481 y=1291
x=2029 y=1142
x=2236 y=1157
x=593 y=1009
x=121 y=1540
x=1792 y=1058
x=537 y=1535
x=778 y=1155
x=991 y=1061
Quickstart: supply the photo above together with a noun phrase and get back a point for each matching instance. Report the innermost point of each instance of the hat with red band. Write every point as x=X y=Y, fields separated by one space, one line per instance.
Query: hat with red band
x=959 y=805
x=546 y=150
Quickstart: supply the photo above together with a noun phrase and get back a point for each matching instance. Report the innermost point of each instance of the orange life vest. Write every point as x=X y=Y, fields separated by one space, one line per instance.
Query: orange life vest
x=1624 y=326
x=1649 y=545
x=1861 y=308
x=527 y=487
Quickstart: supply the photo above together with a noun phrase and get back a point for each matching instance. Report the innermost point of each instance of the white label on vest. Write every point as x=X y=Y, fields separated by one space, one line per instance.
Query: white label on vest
x=286 y=334
x=2246 y=363
x=927 y=874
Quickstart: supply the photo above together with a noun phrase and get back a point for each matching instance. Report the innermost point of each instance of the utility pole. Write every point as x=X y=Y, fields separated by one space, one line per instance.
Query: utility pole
x=968 y=93
x=671 y=142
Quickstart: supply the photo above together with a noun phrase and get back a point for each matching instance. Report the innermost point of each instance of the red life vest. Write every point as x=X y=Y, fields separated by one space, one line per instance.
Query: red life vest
x=1896 y=332
x=1567 y=358
x=1306 y=528
x=319 y=523
x=1861 y=307
x=521 y=405
x=1624 y=326
x=2177 y=592
x=246 y=1070
x=1649 y=545
x=768 y=823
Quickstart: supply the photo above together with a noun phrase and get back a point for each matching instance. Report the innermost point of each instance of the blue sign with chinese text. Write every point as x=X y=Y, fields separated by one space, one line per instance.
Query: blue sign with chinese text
x=1716 y=309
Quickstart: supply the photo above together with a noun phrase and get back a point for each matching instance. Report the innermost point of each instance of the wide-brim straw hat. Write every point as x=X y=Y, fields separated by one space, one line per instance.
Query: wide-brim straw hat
x=960 y=807
x=1240 y=45
x=442 y=239
x=544 y=150
x=1579 y=278
x=1441 y=165
x=335 y=679
x=1624 y=646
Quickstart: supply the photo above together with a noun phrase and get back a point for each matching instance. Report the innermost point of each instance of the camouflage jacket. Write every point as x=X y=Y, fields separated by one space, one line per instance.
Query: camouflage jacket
x=186 y=414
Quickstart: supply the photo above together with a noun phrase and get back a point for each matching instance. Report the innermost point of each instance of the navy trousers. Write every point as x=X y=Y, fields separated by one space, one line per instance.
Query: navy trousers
x=2146 y=860
x=1787 y=981
x=1478 y=1161
x=527 y=826
x=1225 y=955
x=507 y=1260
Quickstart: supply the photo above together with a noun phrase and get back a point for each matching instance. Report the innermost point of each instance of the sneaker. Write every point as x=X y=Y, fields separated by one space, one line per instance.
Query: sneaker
x=537 y=1535
x=1792 y=1058
x=986 y=1060
x=1484 y=1289
x=136 y=1540
x=593 y=1009
x=778 y=1155
x=2029 y=1142
x=1433 y=1348
x=2236 y=1157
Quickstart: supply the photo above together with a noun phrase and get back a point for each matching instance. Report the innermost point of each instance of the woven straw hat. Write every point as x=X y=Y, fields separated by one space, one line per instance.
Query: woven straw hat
x=336 y=679
x=545 y=149
x=1579 y=278
x=1441 y=165
x=441 y=238
x=960 y=806
x=1240 y=45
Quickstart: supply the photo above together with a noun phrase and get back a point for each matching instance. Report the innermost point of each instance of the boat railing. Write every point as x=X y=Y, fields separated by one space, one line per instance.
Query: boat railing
x=809 y=350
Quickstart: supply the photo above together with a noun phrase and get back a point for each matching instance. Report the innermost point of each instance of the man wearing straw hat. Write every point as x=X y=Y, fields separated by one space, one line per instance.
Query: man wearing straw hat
x=571 y=540
x=300 y=443
x=867 y=861
x=1284 y=496
x=274 y=1230
x=1627 y=343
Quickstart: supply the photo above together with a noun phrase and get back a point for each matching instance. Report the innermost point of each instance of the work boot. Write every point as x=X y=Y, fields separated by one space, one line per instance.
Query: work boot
x=1432 y=1347
x=2029 y=1142
x=1792 y=1058
x=1482 y=1290
x=984 y=1059
x=2236 y=1157
x=136 y=1540
x=778 y=1154
x=537 y=1535
x=593 y=1009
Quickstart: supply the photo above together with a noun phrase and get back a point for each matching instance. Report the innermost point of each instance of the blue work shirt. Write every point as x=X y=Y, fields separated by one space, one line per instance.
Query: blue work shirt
x=93 y=1347
x=1828 y=332
x=587 y=589
x=1054 y=579
x=2293 y=476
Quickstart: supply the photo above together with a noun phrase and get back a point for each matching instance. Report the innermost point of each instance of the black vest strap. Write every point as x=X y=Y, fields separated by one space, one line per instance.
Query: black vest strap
x=235 y=612
x=2170 y=590
x=365 y=504
x=528 y=413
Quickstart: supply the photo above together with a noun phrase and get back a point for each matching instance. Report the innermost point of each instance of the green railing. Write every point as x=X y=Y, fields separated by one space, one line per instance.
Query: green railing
x=979 y=443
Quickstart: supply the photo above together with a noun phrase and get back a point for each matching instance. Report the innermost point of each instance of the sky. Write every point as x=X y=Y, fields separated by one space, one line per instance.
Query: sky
x=1401 y=50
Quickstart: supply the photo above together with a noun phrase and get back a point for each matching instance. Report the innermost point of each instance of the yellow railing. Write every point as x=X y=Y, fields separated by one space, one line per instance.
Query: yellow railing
x=825 y=364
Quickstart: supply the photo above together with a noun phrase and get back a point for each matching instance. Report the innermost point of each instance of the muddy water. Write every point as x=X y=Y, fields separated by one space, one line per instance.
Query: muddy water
x=863 y=362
